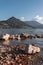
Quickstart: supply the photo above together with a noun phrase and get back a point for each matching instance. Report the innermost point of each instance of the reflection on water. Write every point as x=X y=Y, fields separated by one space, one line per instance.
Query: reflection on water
x=6 y=42
x=36 y=41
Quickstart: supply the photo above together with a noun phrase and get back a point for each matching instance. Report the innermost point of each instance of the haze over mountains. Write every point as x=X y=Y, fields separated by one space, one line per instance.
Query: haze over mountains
x=34 y=24
x=17 y=23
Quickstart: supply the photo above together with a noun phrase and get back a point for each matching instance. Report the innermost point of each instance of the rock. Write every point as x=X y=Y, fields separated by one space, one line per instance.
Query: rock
x=37 y=49
x=33 y=36
x=26 y=35
x=19 y=38
x=31 y=49
x=12 y=37
x=39 y=36
x=6 y=36
x=2 y=49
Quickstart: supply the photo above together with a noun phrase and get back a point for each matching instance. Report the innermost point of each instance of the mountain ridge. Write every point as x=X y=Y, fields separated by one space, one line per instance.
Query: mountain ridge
x=34 y=24
x=13 y=22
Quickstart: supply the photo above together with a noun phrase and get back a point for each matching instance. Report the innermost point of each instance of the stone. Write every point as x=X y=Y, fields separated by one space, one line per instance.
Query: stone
x=31 y=49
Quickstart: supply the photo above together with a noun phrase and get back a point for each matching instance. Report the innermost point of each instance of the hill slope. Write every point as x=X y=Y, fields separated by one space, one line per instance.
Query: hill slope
x=34 y=24
x=13 y=23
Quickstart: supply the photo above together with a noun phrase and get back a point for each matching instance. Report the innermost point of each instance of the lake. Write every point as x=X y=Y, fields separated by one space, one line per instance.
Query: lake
x=36 y=41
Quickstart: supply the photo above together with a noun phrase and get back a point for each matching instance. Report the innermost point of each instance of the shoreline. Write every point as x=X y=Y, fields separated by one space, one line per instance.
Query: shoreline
x=11 y=55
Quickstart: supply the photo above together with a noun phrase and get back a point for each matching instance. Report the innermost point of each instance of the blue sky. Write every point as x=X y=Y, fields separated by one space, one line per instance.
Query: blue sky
x=22 y=9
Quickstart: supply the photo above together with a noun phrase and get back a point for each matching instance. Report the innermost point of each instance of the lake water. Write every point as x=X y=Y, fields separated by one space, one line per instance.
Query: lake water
x=36 y=41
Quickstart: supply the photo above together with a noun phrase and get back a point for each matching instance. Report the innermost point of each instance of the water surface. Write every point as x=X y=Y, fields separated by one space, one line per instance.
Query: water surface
x=37 y=41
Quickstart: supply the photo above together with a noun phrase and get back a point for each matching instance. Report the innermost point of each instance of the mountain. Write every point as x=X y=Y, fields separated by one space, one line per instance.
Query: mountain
x=17 y=23
x=13 y=23
x=34 y=24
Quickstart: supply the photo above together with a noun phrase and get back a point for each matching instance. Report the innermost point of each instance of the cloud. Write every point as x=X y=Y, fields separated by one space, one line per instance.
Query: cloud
x=22 y=18
x=38 y=18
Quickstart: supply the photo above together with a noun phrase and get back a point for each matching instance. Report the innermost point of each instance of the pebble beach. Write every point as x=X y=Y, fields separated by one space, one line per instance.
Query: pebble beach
x=15 y=55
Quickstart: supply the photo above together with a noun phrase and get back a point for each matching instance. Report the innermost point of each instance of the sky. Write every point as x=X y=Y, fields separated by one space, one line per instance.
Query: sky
x=23 y=9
